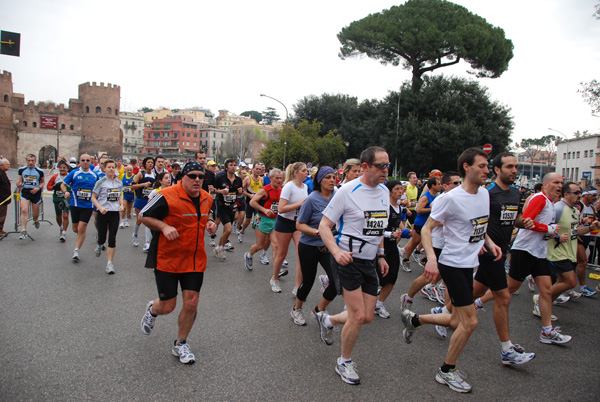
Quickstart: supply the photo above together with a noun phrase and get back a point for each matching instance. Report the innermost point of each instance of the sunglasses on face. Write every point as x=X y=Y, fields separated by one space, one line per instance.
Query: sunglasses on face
x=381 y=166
x=456 y=183
x=574 y=192
x=85 y=160
x=195 y=176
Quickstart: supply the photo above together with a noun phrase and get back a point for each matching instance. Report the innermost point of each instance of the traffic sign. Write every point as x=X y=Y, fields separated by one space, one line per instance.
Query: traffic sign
x=309 y=165
x=487 y=148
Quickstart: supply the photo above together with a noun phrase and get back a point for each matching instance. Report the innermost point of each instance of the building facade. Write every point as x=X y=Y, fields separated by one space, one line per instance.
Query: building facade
x=90 y=124
x=578 y=159
x=132 y=125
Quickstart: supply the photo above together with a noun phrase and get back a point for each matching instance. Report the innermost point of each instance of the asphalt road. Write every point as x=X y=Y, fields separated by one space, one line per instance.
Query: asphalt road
x=70 y=331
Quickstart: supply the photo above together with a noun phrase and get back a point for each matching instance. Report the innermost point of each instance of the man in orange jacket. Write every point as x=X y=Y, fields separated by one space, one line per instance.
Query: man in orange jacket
x=178 y=216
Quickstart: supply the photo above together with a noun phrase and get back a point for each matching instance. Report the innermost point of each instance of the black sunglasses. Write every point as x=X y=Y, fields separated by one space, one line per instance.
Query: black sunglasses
x=85 y=160
x=195 y=176
x=574 y=192
x=381 y=166
x=456 y=183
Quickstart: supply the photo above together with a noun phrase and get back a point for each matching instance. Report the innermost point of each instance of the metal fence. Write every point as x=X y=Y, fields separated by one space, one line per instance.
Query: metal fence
x=17 y=203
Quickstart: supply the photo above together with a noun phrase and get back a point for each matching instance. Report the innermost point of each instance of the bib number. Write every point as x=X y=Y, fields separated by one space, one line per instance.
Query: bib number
x=275 y=207
x=508 y=215
x=30 y=180
x=113 y=195
x=84 y=194
x=146 y=191
x=479 y=229
x=229 y=198
x=375 y=223
x=574 y=230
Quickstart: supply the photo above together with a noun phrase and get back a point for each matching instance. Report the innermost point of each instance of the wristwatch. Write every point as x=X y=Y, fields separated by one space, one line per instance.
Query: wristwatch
x=317 y=232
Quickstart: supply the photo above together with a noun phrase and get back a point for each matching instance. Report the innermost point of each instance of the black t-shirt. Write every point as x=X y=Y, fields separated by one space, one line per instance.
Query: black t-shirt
x=394 y=220
x=209 y=180
x=221 y=182
x=504 y=208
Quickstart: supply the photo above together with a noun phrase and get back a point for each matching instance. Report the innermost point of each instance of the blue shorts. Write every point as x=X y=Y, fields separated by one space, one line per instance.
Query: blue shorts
x=140 y=203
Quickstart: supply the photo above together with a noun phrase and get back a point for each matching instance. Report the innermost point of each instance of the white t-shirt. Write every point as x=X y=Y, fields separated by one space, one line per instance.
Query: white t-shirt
x=465 y=217
x=293 y=194
x=362 y=212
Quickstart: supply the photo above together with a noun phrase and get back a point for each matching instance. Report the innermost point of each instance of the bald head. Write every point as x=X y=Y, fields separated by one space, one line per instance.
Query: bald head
x=549 y=177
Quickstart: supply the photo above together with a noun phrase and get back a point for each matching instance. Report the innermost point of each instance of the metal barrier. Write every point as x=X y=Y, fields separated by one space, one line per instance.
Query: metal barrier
x=17 y=203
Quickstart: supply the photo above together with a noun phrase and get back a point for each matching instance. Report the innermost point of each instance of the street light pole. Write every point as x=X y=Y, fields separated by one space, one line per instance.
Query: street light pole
x=567 y=158
x=284 y=131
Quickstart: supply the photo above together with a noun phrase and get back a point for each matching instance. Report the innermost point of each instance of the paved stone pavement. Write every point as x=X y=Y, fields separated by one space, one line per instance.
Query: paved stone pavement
x=70 y=331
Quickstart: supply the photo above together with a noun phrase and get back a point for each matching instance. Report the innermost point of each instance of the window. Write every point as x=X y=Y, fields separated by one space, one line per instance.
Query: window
x=591 y=153
x=34 y=124
x=221 y=135
x=108 y=110
x=585 y=153
x=174 y=135
x=578 y=154
x=214 y=136
x=568 y=155
x=62 y=126
x=195 y=135
x=116 y=112
x=194 y=144
x=24 y=123
x=87 y=109
x=564 y=155
x=71 y=127
x=5 y=98
x=98 y=109
x=576 y=174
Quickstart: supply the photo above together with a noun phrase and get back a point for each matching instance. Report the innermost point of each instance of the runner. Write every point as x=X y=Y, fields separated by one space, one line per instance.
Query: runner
x=5 y=193
x=588 y=215
x=61 y=205
x=360 y=208
x=31 y=182
x=252 y=183
x=351 y=171
x=142 y=185
x=178 y=215
x=311 y=249
x=227 y=187
x=82 y=182
x=293 y=194
x=240 y=201
x=163 y=180
x=266 y=203
x=107 y=197
x=412 y=193
x=464 y=213
x=128 y=196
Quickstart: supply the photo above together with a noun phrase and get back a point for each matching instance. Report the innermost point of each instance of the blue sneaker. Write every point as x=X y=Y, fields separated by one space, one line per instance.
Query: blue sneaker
x=586 y=291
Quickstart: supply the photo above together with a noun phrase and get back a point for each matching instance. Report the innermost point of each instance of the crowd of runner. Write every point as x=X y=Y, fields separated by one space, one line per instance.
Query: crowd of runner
x=477 y=239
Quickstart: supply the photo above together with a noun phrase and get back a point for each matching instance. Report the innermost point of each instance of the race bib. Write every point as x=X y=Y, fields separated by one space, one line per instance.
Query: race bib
x=296 y=213
x=113 y=194
x=546 y=237
x=375 y=223
x=59 y=194
x=479 y=229
x=574 y=230
x=508 y=214
x=30 y=180
x=146 y=191
x=84 y=194
x=275 y=207
x=229 y=198
x=127 y=189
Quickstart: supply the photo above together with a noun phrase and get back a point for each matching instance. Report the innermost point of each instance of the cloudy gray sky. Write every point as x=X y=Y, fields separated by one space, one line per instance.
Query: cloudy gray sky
x=223 y=54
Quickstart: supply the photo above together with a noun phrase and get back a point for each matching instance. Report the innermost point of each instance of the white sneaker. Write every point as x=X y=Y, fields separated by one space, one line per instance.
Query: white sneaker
x=248 y=261
x=283 y=272
x=561 y=299
x=135 y=241
x=122 y=225
x=146 y=247
x=220 y=253
x=183 y=352
x=110 y=268
x=241 y=237
x=298 y=316
x=536 y=308
x=75 y=257
x=324 y=281
x=381 y=311
x=211 y=243
x=275 y=286
x=126 y=223
x=264 y=258
x=228 y=247
x=554 y=337
x=530 y=283
x=442 y=331
x=98 y=250
x=285 y=262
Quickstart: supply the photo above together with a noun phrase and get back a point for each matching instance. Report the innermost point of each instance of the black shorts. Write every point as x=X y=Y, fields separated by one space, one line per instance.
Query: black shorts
x=584 y=240
x=418 y=229
x=249 y=211
x=166 y=283
x=522 y=264
x=491 y=273
x=79 y=214
x=412 y=218
x=358 y=274
x=459 y=282
x=562 y=266
x=225 y=214
x=392 y=257
x=33 y=198
x=285 y=225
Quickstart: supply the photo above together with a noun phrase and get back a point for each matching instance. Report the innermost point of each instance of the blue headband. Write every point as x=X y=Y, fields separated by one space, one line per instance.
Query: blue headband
x=324 y=171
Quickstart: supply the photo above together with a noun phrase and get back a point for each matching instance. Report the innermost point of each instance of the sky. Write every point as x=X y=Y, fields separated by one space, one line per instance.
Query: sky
x=224 y=54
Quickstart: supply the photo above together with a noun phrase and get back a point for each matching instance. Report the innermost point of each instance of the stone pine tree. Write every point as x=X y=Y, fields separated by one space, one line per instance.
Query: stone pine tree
x=424 y=35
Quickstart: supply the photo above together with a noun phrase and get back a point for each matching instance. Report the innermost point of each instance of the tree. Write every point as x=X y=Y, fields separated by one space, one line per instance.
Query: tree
x=424 y=35
x=590 y=91
x=533 y=146
x=305 y=144
x=146 y=109
x=579 y=134
x=257 y=116
x=270 y=115
x=242 y=146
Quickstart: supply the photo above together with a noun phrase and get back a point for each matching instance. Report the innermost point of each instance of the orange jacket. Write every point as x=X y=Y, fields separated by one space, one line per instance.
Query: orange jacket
x=186 y=253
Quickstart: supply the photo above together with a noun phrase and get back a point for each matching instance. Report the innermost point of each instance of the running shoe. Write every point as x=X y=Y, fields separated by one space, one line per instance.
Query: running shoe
x=228 y=246
x=422 y=262
x=298 y=317
x=275 y=286
x=110 y=268
x=126 y=223
x=325 y=333
x=554 y=337
x=211 y=243
x=405 y=264
x=573 y=294
x=514 y=357
x=283 y=272
x=409 y=328
x=530 y=283
x=75 y=257
x=402 y=253
x=62 y=238
x=416 y=255
x=182 y=350
x=587 y=292
x=324 y=282
x=122 y=225
x=146 y=247
x=36 y=224
x=506 y=266
x=536 y=308
x=428 y=292
x=23 y=235
x=561 y=299
x=455 y=379
x=264 y=258
x=248 y=261
x=441 y=330
x=98 y=250
x=285 y=262
x=135 y=241
x=405 y=304
x=148 y=319
x=441 y=293
x=347 y=372
x=220 y=254
x=381 y=311
x=241 y=237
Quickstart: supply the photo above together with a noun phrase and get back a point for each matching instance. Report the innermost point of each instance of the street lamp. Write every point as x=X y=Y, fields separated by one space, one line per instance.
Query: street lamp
x=567 y=158
x=284 y=132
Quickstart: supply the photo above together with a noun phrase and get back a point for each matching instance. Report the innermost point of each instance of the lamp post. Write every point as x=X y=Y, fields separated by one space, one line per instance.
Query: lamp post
x=567 y=158
x=284 y=132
